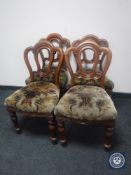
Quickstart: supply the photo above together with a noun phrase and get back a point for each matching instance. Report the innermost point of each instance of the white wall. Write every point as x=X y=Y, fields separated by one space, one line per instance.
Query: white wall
x=24 y=22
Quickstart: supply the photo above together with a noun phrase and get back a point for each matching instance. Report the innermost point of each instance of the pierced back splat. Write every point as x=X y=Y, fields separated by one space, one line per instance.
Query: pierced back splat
x=37 y=49
x=57 y=41
x=100 y=42
x=88 y=74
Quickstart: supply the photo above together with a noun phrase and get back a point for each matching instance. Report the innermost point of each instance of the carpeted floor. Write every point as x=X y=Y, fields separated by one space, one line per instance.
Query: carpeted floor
x=31 y=153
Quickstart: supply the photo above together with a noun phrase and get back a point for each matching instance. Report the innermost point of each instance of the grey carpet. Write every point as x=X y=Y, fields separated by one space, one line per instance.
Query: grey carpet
x=31 y=153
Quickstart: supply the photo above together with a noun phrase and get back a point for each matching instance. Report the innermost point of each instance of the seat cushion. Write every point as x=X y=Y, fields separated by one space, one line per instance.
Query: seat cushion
x=78 y=80
x=40 y=97
x=85 y=102
x=109 y=84
x=63 y=78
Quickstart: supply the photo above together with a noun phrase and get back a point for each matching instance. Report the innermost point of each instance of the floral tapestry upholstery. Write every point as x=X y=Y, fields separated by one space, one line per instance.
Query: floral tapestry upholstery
x=78 y=80
x=63 y=78
x=40 y=97
x=86 y=103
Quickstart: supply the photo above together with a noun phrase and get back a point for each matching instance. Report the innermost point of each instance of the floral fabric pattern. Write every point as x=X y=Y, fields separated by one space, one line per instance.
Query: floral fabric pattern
x=85 y=102
x=39 y=97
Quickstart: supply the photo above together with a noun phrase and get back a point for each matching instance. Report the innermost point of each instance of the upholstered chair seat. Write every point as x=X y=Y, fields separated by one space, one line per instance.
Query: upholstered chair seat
x=86 y=103
x=39 y=97
x=109 y=84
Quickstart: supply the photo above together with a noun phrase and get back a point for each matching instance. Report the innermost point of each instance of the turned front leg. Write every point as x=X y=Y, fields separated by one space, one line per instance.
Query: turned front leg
x=15 y=121
x=61 y=129
x=108 y=135
x=52 y=128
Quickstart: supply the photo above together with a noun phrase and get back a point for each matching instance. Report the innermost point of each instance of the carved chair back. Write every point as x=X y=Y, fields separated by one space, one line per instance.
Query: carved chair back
x=100 y=42
x=51 y=50
x=93 y=74
x=58 y=41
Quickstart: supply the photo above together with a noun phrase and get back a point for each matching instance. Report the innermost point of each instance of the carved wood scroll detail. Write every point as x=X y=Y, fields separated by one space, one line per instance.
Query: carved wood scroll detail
x=51 y=50
x=93 y=73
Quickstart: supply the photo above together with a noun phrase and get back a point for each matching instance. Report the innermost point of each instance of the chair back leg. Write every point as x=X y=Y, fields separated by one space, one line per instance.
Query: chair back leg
x=15 y=121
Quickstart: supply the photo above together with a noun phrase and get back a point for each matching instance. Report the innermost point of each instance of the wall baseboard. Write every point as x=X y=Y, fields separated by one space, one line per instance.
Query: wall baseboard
x=114 y=94
x=121 y=95
x=2 y=87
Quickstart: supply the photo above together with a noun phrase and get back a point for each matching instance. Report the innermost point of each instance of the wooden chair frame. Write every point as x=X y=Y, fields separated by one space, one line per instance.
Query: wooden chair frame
x=53 y=38
x=58 y=39
x=101 y=43
x=94 y=38
x=77 y=51
x=36 y=50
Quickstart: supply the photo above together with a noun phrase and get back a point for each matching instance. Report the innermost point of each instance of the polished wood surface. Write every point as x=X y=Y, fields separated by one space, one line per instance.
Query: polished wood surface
x=58 y=41
x=36 y=50
x=55 y=40
x=98 y=41
x=94 y=72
